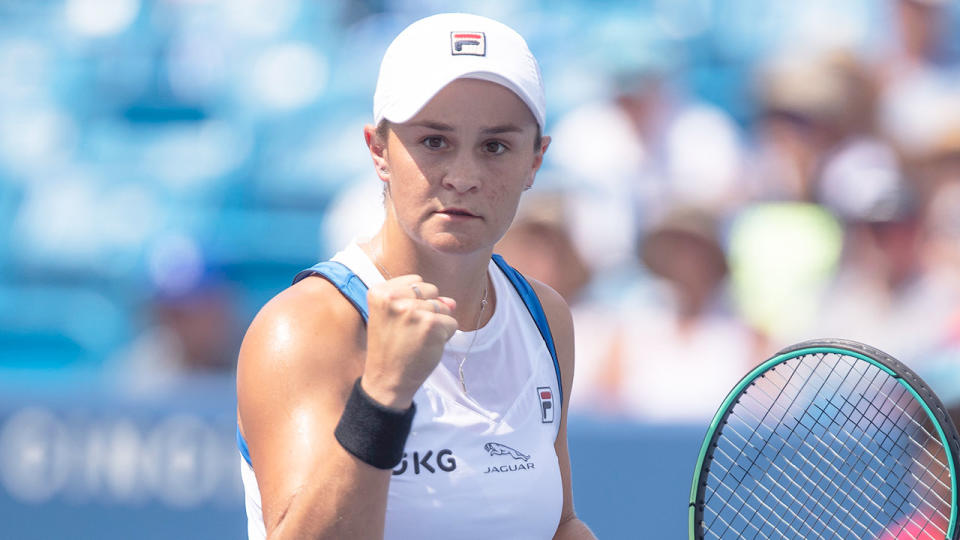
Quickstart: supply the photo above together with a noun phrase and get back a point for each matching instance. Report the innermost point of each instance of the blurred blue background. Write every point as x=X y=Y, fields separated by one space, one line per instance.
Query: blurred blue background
x=167 y=166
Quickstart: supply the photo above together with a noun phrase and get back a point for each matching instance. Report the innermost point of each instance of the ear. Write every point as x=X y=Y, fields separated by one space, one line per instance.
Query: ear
x=378 y=151
x=537 y=161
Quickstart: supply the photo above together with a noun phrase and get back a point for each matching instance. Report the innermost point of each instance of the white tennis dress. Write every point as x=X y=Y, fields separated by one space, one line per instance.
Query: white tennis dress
x=480 y=465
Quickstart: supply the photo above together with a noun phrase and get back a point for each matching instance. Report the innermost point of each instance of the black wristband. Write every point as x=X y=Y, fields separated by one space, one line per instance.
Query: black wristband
x=373 y=433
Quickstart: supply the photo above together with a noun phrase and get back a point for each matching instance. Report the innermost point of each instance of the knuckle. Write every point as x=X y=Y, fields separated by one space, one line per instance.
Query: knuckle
x=396 y=306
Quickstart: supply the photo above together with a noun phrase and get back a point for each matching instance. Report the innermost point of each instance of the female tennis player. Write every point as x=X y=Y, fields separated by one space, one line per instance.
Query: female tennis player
x=415 y=386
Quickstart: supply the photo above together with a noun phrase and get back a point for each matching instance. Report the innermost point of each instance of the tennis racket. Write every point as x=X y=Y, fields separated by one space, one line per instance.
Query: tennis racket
x=828 y=439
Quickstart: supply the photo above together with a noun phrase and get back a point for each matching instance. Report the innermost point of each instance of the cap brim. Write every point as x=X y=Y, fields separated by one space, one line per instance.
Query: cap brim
x=399 y=114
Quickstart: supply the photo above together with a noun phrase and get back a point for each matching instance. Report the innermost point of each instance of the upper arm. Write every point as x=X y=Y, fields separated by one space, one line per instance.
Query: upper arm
x=561 y=327
x=295 y=370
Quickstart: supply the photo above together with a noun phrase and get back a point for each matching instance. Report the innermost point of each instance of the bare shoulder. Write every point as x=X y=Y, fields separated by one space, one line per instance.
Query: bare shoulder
x=297 y=363
x=307 y=336
x=554 y=305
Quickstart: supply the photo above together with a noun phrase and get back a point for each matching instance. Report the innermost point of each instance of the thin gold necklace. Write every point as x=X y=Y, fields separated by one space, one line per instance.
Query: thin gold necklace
x=476 y=332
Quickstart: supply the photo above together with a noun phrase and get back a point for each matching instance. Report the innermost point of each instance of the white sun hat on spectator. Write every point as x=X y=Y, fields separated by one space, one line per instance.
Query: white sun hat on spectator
x=434 y=51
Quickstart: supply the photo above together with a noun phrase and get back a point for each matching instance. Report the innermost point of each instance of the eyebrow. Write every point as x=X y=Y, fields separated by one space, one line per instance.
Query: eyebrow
x=438 y=126
x=493 y=130
x=505 y=128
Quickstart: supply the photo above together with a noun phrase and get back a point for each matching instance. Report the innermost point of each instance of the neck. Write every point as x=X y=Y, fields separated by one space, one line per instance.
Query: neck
x=461 y=276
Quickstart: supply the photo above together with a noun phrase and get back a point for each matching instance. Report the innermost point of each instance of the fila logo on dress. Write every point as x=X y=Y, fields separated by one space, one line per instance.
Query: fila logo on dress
x=546 y=404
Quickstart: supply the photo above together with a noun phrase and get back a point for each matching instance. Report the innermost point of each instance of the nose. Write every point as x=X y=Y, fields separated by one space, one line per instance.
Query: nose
x=463 y=173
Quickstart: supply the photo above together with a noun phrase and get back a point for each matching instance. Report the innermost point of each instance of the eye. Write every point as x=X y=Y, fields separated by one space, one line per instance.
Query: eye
x=434 y=142
x=495 y=147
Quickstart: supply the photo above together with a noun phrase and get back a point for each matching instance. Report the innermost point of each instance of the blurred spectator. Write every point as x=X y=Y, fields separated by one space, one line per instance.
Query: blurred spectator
x=124 y=123
x=193 y=334
x=676 y=358
x=189 y=326
x=539 y=244
x=811 y=104
x=943 y=228
x=920 y=115
x=918 y=40
x=888 y=291
x=628 y=158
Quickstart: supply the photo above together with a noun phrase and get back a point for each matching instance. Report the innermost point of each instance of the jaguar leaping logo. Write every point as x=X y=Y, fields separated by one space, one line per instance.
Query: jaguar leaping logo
x=497 y=449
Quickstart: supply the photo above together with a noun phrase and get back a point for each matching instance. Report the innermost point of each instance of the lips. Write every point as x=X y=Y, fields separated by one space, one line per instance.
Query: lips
x=459 y=212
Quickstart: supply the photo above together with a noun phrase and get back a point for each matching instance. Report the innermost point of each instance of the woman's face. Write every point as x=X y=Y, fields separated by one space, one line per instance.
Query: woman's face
x=456 y=170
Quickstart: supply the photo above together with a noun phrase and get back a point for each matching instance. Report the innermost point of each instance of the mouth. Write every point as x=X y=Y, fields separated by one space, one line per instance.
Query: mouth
x=457 y=212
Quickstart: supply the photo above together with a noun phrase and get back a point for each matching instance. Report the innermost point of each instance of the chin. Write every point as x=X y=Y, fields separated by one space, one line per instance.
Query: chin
x=454 y=244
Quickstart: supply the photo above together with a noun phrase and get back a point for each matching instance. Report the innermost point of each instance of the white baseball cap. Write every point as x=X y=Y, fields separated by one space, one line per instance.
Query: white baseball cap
x=433 y=52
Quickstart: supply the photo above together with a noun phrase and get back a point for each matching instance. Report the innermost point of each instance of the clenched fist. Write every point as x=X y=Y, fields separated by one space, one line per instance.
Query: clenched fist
x=407 y=328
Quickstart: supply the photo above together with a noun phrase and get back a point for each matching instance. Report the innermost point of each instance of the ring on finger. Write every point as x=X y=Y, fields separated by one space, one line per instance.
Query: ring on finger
x=416 y=292
x=434 y=305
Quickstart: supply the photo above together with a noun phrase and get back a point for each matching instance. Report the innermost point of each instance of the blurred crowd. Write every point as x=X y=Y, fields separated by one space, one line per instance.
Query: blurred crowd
x=692 y=245
x=726 y=177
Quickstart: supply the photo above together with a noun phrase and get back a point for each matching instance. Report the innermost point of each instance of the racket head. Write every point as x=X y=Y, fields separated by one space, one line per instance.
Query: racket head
x=923 y=413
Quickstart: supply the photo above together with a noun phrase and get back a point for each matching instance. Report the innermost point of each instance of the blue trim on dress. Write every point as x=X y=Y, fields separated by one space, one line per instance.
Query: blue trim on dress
x=242 y=445
x=355 y=290
x=532 y=301
x=349 y=284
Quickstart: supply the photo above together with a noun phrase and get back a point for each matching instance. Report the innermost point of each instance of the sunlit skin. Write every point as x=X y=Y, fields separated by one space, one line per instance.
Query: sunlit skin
x=455 y=174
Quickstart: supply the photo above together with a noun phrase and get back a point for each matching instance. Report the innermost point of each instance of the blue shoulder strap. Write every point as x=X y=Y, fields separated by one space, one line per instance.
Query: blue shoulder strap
x=355 y=290
x=350 y=286
x=532 y=301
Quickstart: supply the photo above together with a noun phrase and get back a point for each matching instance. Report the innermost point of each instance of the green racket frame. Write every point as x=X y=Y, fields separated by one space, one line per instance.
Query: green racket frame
x=905 y=376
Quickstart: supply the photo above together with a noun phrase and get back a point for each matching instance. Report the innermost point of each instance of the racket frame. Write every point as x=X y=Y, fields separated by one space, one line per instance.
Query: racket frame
x=900 y=372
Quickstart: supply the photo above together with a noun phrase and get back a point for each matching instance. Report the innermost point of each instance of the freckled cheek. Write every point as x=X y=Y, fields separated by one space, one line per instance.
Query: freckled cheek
x=504 y=199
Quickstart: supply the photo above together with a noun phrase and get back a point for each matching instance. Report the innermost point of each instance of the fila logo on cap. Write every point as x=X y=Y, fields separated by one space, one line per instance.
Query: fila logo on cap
x=472 y=43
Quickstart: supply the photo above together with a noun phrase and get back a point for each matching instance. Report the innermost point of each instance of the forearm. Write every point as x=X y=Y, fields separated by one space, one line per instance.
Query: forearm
x=573 y=529
x=348 y=500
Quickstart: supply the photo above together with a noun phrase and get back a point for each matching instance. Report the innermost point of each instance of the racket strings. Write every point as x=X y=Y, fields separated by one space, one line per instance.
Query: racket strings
x=933 y=467
x=909 y=435
x=917 y=455
x=820 y=471
x=829 y=456
x=808 y=494
x=922 y=496
x=759 y=451
x=769 y=492
x=895 y=402
x=882 y=471
x=814 y=466
x=932 y=481
x=786 y=474
x=751 y=523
